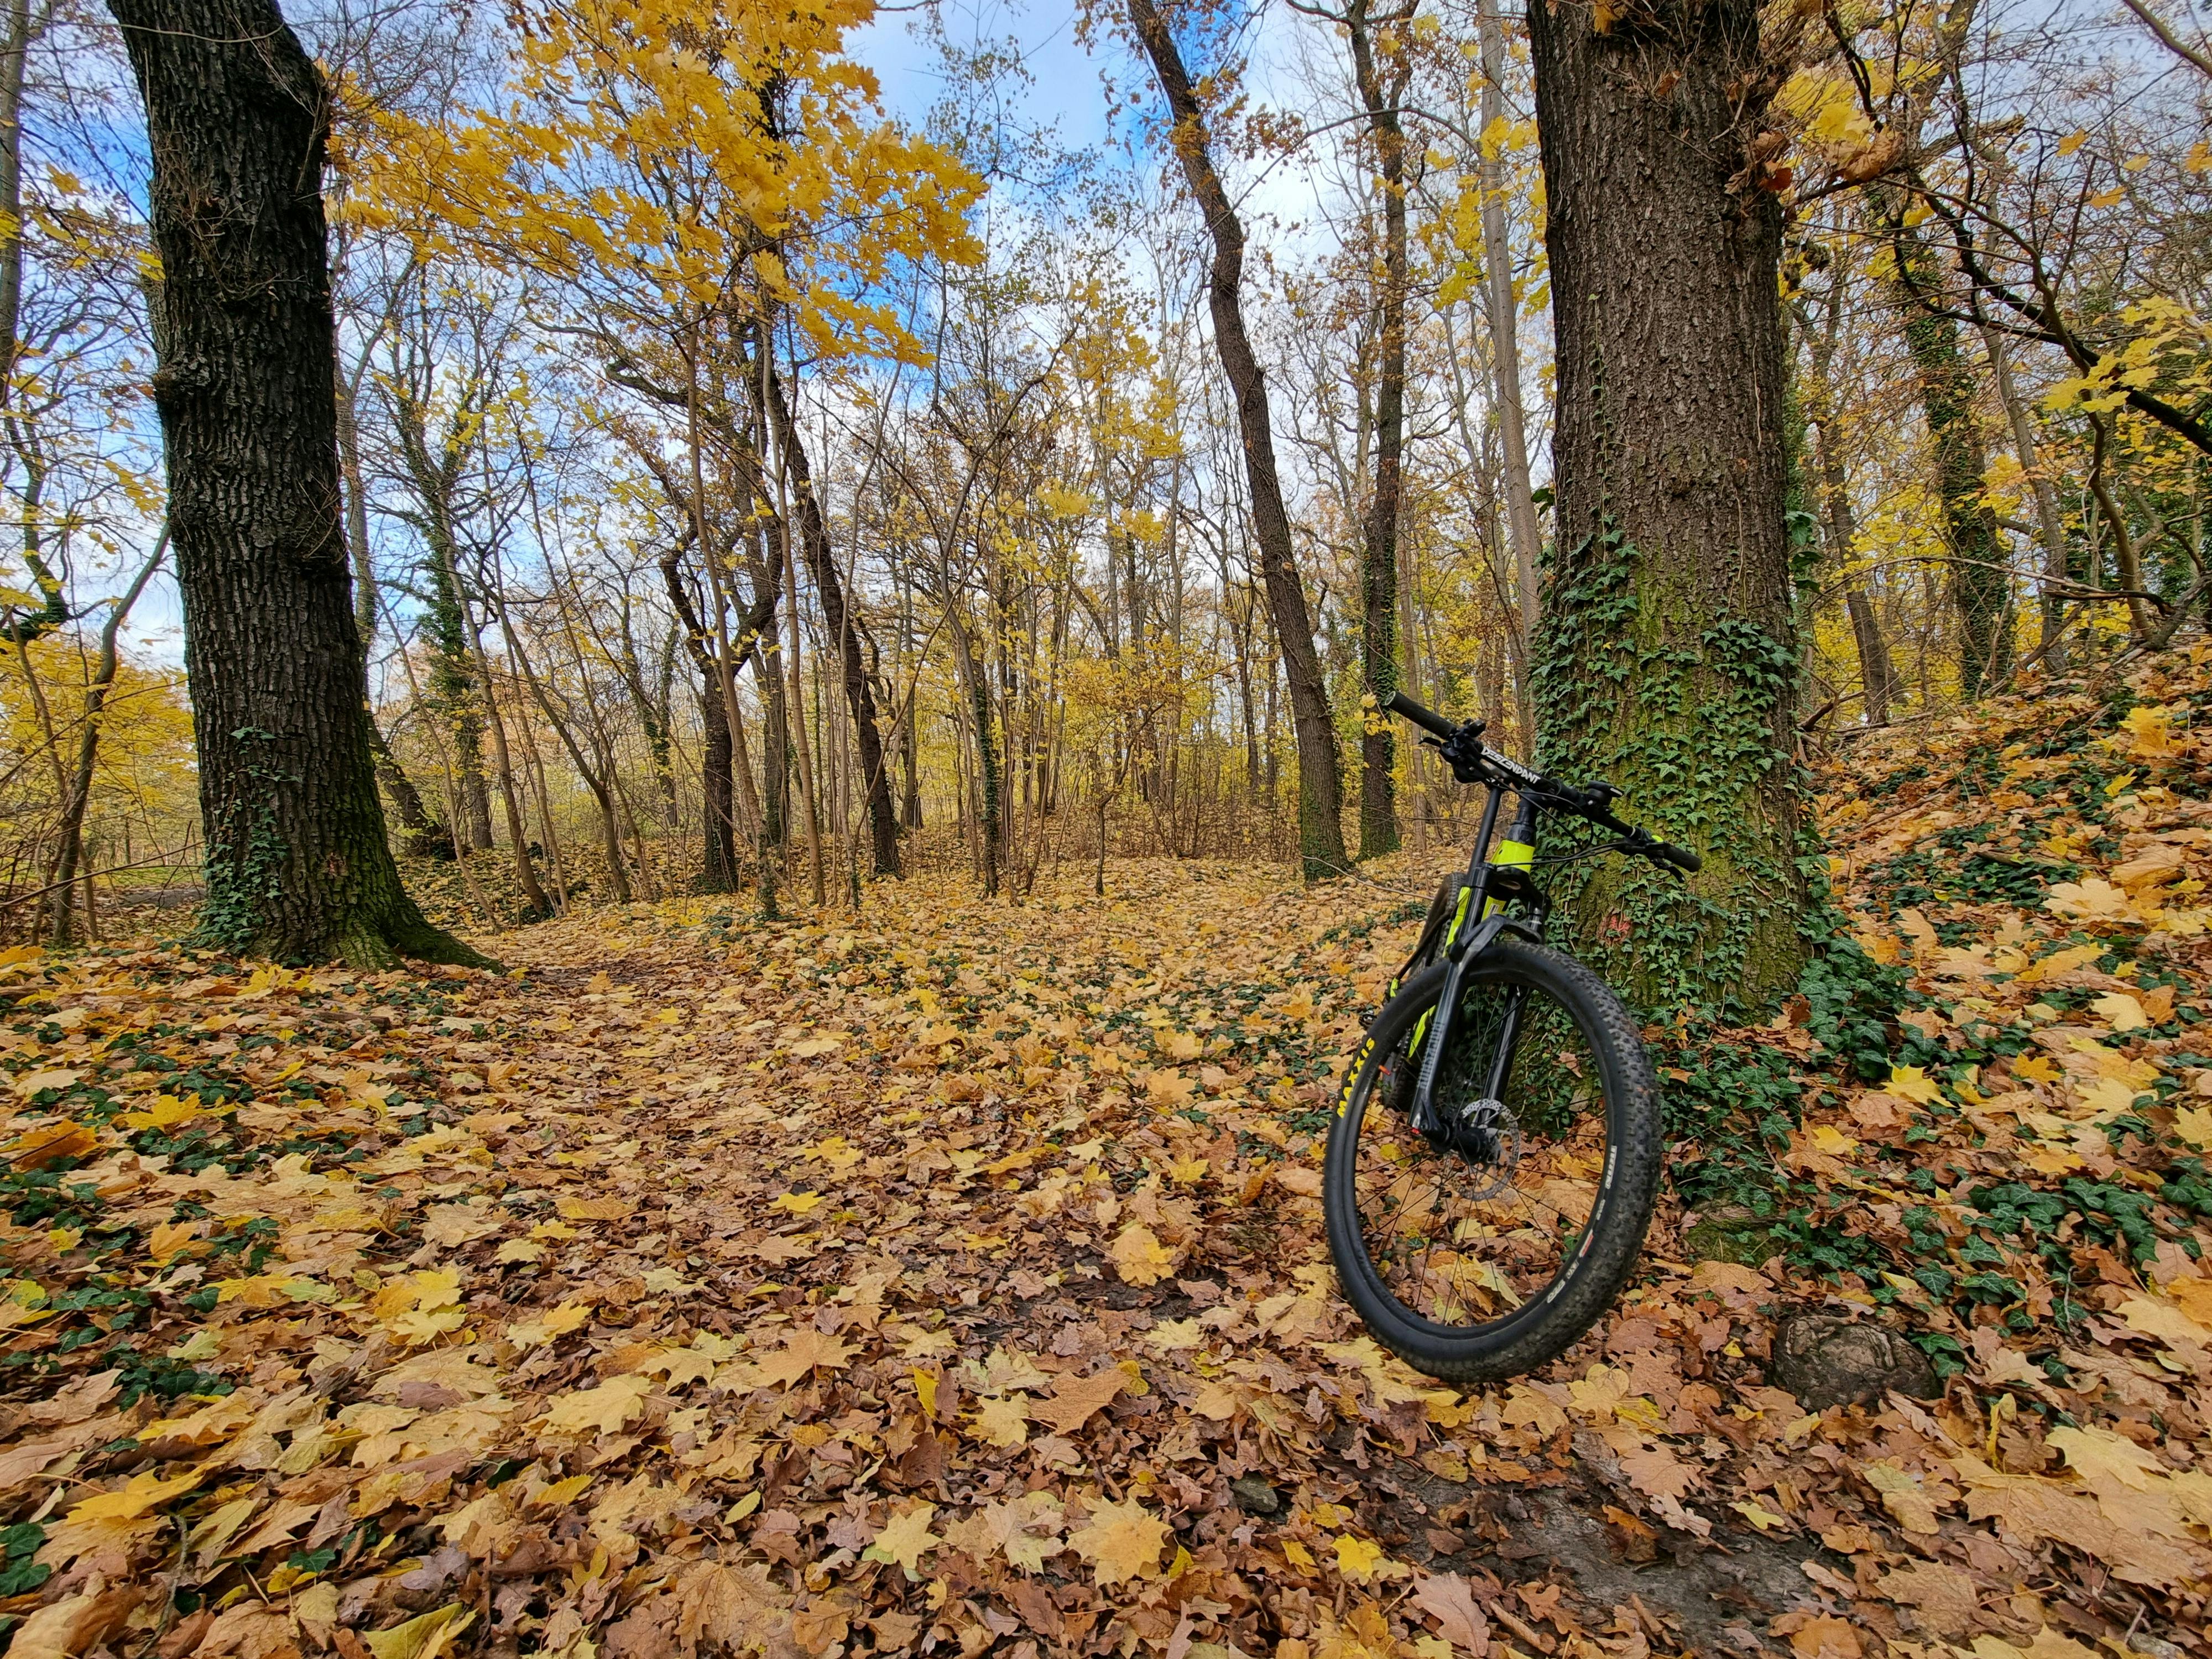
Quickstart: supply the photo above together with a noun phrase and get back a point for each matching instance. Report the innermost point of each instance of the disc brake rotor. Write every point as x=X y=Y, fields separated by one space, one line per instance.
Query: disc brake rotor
x=1487 y=1136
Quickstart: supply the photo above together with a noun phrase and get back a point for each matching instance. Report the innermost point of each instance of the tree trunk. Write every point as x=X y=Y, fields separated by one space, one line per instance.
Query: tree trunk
x=1502 y=311
x=1669 y=663
x=1981 y=588
x=1876 y=673
x=79 y=796
x=536 y=906
x=14 y=60
x=2050 y=523
x=844 y=633
x=1320 y=831
x=52 y=612
x=297 y=863
x=1378 y=570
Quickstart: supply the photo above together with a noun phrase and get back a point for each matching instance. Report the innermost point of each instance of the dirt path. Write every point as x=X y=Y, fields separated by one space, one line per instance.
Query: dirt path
x=955 y=1284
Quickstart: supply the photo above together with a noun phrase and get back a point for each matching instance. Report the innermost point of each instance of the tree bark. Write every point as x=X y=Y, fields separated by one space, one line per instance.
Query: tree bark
x=844 y=633
x=1378 y=570
x=298 y=866
x=1670 y=661
x=2050 y=524
x=1877 y=672
x=79 y=797
x=1981 y=589
x=1320 y=831
x=1502 y=311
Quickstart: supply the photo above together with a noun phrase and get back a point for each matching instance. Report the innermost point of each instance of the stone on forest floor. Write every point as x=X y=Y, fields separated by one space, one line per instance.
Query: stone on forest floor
x=1827 y=1360
x=1254 y=1496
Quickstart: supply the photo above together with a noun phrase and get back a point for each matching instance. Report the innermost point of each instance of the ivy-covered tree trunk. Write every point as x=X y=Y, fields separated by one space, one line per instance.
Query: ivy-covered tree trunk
x=1668 y=659
x=1981 y=587
x=298 y=866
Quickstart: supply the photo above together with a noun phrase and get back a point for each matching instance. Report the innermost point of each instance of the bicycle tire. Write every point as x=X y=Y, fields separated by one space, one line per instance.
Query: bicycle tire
x=1538 y=1322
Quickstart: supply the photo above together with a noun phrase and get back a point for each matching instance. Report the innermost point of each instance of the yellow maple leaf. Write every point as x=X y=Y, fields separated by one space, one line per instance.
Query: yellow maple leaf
x=1910 y=1082
x=424 y=1637
x=1297 y=1554
x=146 y=1491
x=1138 y=1256
x=561 y=1493
x=168 y=1238
x=1183 y=1045
x=2105 y=1459
x=1169 y=1087
x=603 y=1410
x=1004 y=1423
x=1765 y=1520
x=1827 y=1138
x=554 y=1322
x=798 y=1204
x=806 y=1349
x=1121 y=1542
x=905 y=1540
x=1188 y=1171
x=1526 y=1408
x=2194 y=1124
x=418 y=1307
x=1357 y=1558
x=2162 y=1320
x=2088 y=900
x=163 y=1112
x=2120 y=1011
x=2149 y=730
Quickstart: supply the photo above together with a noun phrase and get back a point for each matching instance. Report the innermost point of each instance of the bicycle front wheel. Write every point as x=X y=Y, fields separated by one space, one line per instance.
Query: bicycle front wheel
x=1484 y=1244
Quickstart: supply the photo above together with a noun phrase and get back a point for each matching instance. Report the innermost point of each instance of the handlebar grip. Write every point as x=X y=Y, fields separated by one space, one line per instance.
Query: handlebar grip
x=1680 y=857
x=1427 y=719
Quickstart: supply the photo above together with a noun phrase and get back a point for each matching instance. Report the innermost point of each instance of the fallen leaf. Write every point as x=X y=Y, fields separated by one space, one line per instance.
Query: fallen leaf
x=1122 y=1541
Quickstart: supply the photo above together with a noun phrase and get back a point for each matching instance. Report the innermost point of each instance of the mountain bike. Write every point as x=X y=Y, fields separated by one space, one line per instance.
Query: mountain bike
x=1495 y=1153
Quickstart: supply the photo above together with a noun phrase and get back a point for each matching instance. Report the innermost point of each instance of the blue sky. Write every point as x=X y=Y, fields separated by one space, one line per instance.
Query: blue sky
x=1065 y=86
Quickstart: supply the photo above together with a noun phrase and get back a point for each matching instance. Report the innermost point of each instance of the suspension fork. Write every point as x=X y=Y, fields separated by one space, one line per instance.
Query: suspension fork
x=1518 y=852
x=1463 y=946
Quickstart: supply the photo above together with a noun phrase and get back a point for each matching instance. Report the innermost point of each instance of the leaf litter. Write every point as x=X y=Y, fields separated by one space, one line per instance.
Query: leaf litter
x=952 y=1281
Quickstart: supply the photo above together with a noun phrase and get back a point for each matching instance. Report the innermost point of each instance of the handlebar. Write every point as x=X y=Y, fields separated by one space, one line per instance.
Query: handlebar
x=1427 y=719
x=1590 y=804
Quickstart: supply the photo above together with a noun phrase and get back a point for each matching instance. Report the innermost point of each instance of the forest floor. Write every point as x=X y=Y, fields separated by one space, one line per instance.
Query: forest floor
x=952 y=1281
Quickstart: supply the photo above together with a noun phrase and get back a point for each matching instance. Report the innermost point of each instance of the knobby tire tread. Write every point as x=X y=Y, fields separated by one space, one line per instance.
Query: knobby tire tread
x=1516 y=1345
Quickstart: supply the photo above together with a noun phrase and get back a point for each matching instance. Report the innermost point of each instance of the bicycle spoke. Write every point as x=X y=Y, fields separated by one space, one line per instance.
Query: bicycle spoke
x=1462 y=1239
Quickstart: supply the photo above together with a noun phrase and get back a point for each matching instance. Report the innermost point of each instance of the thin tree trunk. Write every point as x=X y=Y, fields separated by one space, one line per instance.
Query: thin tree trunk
x=297 y=862
x=79 y=796
x=796 y=708
x=1876 y=673
x=538 y=906
x=1502 y=311
x=844 y=631
x=1378 y=572
x=1320 y=831
x=2050 y=523
x=2127 y=562
x=609 y=821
